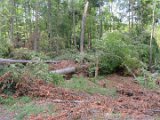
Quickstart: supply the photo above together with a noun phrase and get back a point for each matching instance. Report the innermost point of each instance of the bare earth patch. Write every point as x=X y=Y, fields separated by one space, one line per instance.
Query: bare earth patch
x=5 y=114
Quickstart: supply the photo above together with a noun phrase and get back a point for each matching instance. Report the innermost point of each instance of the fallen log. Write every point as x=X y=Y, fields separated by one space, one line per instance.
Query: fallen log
x=65 y=70
x=68 y=70
x=2 y=61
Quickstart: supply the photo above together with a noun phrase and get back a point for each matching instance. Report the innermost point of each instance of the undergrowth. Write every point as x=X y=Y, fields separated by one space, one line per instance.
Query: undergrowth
x=148 y=79
x=26 y=107
x=82 y=84
x=19 y=74
x=26 y=54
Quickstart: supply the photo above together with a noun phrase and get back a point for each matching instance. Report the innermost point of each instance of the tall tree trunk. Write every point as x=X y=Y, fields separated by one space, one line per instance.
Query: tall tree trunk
x=12 y=10
x=111 y=17
x=101 y=23
x=36 y=39
x=152 y=33
x=30 y=17
x=83 y=27
x=26 y=22
x=112 y=21
x=74 y=24
x=50 y=23
x=89 y=40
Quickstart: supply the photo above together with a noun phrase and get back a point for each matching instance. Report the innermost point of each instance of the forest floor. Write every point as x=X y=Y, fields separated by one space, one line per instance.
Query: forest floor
x=132 y=102
x=125 y=100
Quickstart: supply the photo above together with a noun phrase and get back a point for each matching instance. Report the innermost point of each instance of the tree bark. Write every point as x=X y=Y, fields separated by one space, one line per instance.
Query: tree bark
x=83 y=27
x=101 y=23
x=111 y=18
x=97 y=67
x=36 y=39
x=151 y=39
x=74 y=24
x=3 y=61
x=65 y=70
x=12 y=10
x=49 y=23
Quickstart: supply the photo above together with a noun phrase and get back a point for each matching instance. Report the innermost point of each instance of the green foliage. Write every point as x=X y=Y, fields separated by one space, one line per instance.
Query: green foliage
x=141 y=41
x=4 y=48
x=28 y=109
x=24 y=53
x=7 y=101
x=82 y=84
x=29 y=73
x=117 y=52
x=147 y=79
x=67 y=54
x=34 y=70
x=25 y=107
x=24 y=99
x=57 y=79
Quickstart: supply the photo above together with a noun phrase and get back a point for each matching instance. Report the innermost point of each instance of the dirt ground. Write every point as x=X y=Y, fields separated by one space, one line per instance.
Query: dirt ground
x=133 y=102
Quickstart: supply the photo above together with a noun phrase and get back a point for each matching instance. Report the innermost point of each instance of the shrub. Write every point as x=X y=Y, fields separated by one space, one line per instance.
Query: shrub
x=117 y=52
x=27 y=74
x=140 y=38
x=24 y=53
x=147 y=79
x=56 y=79
x=4 y=48
x=7 y=101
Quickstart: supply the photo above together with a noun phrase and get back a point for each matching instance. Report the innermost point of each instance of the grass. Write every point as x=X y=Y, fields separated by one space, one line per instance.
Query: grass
x=149 y=83
x=7 y=101
x=25 y=106
x=30 y=109
x=82 y=84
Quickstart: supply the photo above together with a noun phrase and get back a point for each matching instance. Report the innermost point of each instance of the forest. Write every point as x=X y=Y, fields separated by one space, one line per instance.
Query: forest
x=79 y=60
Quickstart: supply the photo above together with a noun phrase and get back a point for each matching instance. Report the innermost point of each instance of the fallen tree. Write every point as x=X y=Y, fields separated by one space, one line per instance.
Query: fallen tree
x=68 y=70
x=65 y=70
x=2 y=61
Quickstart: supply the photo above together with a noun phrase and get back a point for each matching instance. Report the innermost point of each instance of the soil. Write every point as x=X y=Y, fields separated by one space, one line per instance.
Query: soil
x=132 y=102
x=5 y=114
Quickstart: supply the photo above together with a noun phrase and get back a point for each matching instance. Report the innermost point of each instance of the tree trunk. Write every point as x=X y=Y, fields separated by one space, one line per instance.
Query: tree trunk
x=65 y=70
x=97 y=67
x=12 y=10
x=101 y=23
x=151 y=39
x=3 y=61
x=132 y=15
x=89 y=40
x=111 y=18
x=37 y=35
x=83 y=27
x=49 y=23
x=74 y=24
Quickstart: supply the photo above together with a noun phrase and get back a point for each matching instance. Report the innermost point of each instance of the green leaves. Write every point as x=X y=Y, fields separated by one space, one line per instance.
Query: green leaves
x=117 y=52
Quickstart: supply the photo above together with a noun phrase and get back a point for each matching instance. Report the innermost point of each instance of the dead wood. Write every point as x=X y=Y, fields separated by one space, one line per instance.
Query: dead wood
x=65 y=70
x=2 y=61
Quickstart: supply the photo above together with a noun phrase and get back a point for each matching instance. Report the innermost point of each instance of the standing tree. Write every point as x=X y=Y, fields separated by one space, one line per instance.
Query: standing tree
x=83 y=27
x=151 y=39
